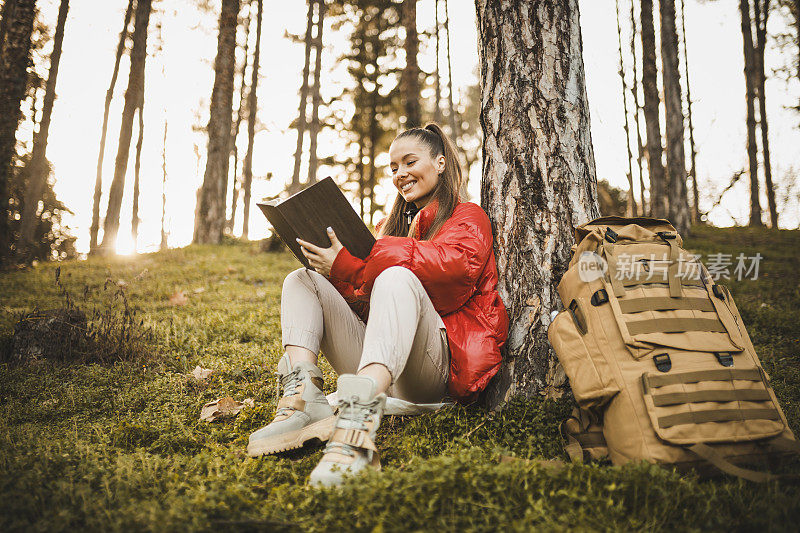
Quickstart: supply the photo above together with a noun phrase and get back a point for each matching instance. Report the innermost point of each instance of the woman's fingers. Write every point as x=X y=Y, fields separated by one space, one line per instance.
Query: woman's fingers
x=309 y=246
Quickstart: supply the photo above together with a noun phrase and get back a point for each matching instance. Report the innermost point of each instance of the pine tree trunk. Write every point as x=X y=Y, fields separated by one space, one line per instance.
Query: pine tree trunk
x=360 y=167
x=38 y=174
x=373 y=141
x=761 y=9
x=132 y=98
x=98 y=184
x=237 y=182
x=137 y=166
x=692 y=149
x=411 y=90
x=252 y=107
x=451 y=113
x=210 y=220
x=437 y=85
x=163 y=245
x=313 y=130
x=637 y=108
x=750 y=95
x=302 y=108
x=678 y=208
x=631 y=204
x=18 y=18
x=658 y=180
x=538 y=171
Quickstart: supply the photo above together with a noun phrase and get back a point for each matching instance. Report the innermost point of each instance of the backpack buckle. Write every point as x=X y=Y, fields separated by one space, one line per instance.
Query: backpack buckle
x=599 y=297
x=724 y=358
x=611 y=235
x=718 y=292
x=663 y=362
x=666 y=236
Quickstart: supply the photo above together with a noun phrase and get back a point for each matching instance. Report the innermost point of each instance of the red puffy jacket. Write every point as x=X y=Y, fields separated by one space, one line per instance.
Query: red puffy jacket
x=458 y=270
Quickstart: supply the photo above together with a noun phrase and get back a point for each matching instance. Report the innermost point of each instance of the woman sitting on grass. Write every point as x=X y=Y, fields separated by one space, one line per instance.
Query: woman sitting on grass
x=418 y=318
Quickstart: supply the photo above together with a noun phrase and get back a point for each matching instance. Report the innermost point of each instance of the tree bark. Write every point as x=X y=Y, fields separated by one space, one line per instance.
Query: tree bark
x=39 y=169
x=132 y=98
x=373 y=141
x=18 y=18
x=750 y=94
x=658 y=180
x=637 y=108
x=302 y=108
x=692 y=149
x=631 y=203
x=413 y=110
x=210 y=220
x=678 y=208
x=313 y=130
x=98 y=184
x=252 y=106
x=761 y=10
x=237 y=182
x=538 y=171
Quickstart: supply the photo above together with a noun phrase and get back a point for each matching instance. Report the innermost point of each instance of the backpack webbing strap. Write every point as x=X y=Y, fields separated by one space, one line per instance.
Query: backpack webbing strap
x=746 y=395
x=613 y=275
x=712 y=456
x=648 y=279
x=672 y=270
x=674 y=325
x=637 y=305
x=720 y=374
x=717 y=415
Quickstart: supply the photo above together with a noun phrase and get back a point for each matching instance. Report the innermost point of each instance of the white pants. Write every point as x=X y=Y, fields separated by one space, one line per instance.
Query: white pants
x=403 y=331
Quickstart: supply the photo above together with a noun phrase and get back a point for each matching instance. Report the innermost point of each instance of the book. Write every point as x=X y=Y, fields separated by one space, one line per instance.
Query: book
x=307 y=215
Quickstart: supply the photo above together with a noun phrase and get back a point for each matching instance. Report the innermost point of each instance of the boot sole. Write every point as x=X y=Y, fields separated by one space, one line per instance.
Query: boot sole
x=321 y=430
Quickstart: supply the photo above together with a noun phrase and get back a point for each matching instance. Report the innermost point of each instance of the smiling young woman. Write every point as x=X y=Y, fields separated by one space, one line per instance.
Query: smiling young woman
x=418 y=318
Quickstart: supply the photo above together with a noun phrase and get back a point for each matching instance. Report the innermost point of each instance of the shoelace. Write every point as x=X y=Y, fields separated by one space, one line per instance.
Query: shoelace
x=358 y=413
x=290 y=382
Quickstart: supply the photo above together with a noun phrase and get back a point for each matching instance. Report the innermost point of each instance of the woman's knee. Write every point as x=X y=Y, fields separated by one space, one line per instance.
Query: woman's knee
x=395 y=277
x=300 y=277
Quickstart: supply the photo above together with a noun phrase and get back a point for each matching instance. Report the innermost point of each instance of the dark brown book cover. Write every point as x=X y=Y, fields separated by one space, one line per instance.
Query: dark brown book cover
x=309 y=212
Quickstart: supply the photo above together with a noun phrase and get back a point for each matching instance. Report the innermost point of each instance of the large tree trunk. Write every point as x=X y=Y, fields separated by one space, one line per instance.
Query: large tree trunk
x=761 y=10
x=37 y=177
x=673 y=100
x=98 y=184
x=18 y=18
x=631 y=204
x=132 y=98
x=316 y=96
x=210 y=220
x=301 y=109
x=538 y=171
x=237 y=182
x=637 y=108
x=692 y=149
x=252 y=106
x=750 y=95
x=658 y=180
x=373 y=141
x=413 y=110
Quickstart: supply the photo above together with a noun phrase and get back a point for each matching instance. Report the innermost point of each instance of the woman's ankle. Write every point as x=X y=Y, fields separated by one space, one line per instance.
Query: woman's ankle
x=298 y=353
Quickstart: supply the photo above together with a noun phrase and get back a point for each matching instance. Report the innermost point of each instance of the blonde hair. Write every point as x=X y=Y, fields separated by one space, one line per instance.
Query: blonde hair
x=446 y=191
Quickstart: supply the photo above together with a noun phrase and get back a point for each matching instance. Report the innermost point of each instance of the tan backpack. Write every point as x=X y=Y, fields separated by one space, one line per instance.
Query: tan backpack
x=658 y=358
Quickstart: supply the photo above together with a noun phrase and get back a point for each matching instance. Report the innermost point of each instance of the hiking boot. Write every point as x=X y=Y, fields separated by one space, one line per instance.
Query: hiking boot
x=303 y=412
x=351 y=448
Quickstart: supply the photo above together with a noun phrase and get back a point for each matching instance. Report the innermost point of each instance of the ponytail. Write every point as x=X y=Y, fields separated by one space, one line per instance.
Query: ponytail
x=445 y=193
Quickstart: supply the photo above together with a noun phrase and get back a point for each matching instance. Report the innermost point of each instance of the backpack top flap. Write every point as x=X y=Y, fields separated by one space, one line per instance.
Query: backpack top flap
x=652 y=224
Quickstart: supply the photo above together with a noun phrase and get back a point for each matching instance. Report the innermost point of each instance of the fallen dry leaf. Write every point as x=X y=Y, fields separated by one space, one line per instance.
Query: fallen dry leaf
x=141 y=275
x=201 y=373
x=224 y=407
x=232 y=269
x=178 y=298
x=122 y=283
x=199 y=290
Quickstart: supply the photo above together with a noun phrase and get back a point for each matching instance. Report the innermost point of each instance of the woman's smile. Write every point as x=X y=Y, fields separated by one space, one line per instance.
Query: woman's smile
x=415 y=172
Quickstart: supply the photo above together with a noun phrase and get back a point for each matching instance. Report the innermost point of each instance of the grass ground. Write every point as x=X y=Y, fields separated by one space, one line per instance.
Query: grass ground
x=120 y=447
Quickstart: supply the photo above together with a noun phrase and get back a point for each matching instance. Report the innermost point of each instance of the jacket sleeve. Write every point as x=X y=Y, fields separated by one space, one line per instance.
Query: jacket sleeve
x=448 y=265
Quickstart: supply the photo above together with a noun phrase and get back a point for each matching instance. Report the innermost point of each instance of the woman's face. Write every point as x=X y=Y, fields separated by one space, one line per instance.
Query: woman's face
x=414 y=172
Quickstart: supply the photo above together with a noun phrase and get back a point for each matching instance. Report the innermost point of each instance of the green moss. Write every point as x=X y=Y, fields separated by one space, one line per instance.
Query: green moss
x=120 y=447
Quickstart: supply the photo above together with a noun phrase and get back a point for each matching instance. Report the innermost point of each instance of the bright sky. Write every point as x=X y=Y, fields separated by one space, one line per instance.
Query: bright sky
x=178 y=86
